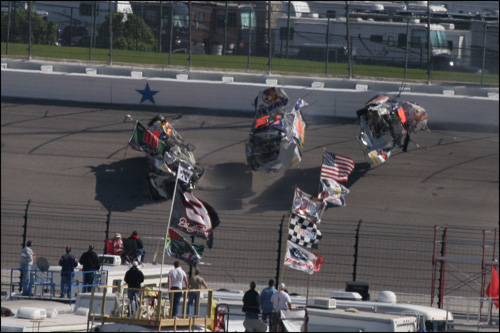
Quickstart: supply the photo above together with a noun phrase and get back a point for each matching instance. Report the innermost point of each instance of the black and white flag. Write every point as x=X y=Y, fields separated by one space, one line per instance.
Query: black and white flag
x=193 y=216
x=304 y=232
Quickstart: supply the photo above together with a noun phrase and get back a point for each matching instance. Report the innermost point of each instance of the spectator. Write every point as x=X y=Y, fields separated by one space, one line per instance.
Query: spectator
x=134 y=277
x=139 y=245
x=265 y=302
x=90 y=263
x=251 y=302
x=196 y=282
x=68 y=263
x=27 y=257
x=281 y=301
x=175 y=278
x=117 y=249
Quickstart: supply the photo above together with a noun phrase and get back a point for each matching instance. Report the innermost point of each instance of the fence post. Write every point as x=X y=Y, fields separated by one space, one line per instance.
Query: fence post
x=8 y=29
x=108 y=221
x=407 y=46
x=327 y=44
x=160 y=31
x=269 y=35
x=428 y=43
x=278 y=261
x=443 y=267
x=250 y=27
x=356 y=251
x=110 y=35
x=349 y=41
x=226 y=13
x=484 y=53
x=29 y=33
x=25 y=226
x=172 y=30
x=288 y=28
x=189 y=39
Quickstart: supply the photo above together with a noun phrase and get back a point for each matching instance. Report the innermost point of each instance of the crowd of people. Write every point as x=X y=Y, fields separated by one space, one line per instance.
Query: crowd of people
x=268 y=303
x=68 y=262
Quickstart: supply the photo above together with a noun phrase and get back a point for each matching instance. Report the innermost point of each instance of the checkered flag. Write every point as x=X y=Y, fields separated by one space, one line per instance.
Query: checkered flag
x=303 y=232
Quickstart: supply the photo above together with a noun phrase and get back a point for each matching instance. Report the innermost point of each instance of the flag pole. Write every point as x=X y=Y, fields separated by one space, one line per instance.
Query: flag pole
x=320 y=187
x=286 y=247
x=288 y=231
x=168 y=224
x=307 y=293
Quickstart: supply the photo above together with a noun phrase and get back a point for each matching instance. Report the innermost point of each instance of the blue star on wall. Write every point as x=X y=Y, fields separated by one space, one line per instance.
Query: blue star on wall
x=147 y=94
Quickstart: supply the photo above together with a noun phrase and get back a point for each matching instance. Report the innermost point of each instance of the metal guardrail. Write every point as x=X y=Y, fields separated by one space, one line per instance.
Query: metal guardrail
x=473 y=316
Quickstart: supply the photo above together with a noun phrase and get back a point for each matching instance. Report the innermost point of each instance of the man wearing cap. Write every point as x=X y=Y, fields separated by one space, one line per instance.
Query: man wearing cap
x=133 y=278
x=281 y=301
x=68 y=262
x=90 y=263
x=27 y=257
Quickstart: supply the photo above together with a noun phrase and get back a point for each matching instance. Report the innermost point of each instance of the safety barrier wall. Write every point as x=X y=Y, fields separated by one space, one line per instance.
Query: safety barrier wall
x=236 y=92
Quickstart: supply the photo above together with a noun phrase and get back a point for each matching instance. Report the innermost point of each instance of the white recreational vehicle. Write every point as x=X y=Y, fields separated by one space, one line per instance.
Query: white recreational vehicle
x=79 y=13
x=353 y=320
x=429 y=318
x=372 y=41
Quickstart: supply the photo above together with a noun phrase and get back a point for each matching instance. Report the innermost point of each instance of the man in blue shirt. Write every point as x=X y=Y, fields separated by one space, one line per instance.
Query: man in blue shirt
x=68 y=262
x=265 y=302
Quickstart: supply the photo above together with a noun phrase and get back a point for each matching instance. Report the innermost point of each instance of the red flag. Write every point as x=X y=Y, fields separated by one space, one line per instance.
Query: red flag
x=492 y=290
x=317 y=262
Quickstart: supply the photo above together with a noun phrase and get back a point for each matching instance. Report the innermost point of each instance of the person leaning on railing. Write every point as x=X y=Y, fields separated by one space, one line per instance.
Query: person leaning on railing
x=196 y=282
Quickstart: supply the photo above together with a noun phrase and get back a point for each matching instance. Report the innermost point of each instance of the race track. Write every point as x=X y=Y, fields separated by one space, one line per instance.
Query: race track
x=77 y=156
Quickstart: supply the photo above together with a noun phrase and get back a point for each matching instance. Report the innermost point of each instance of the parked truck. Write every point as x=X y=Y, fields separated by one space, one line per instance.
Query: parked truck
x=209 y=30
x=372 y=42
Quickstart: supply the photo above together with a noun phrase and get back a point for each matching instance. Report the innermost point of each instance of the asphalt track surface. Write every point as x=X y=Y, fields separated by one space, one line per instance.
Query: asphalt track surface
x=77 y=155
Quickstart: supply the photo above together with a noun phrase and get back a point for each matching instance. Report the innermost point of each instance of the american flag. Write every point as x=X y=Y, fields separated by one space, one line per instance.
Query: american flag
x=336 y=167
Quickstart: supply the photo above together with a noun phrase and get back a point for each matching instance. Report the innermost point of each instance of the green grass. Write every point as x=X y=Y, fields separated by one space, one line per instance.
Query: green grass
x=230 y=62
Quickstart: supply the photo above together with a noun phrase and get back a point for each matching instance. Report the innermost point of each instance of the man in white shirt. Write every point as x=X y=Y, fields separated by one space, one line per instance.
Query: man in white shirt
x=27 y=257
x=175 y=279
x=281 y=301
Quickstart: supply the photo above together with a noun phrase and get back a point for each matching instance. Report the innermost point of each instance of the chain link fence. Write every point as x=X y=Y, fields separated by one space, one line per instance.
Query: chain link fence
x=269 y=37
x=386 y=257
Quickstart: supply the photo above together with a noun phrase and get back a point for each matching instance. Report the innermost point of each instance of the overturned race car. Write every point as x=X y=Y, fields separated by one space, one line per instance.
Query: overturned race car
x=165 y=150
x=277 y=135
x=386 y=124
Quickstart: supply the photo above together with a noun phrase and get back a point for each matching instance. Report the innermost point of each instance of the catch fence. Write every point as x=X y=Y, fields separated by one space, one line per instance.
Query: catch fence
x=258 y=36
x=247 y=247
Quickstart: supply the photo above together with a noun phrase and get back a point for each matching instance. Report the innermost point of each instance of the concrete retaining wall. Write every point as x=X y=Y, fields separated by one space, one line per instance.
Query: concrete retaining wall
x=234 y=91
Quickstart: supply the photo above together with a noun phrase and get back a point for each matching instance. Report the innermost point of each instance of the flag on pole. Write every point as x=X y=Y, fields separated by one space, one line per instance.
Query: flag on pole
x=193 y=216
x=336 y=167
x=145 y=141
x=184 y=174
x=492 y=290
x=302 y=260
x=303 y=232
x=308 y=207
x=333 y=192
x=178 y=247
